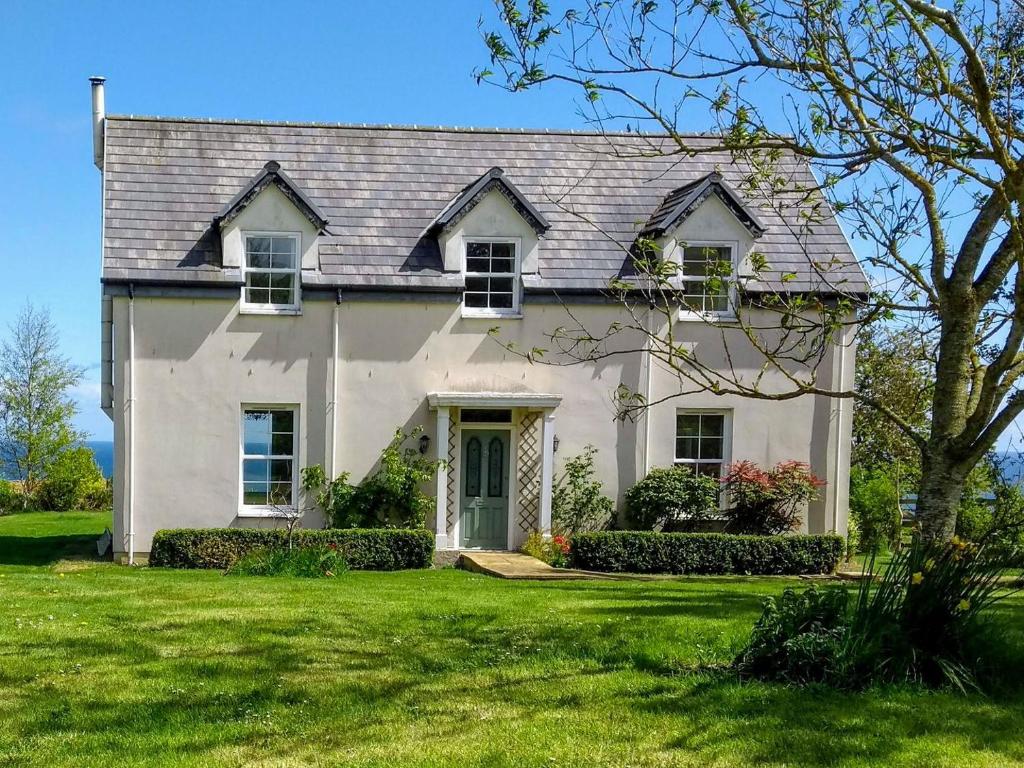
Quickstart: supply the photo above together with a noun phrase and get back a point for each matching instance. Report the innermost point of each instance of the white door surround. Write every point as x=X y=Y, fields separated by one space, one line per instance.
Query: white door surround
x=531 y=427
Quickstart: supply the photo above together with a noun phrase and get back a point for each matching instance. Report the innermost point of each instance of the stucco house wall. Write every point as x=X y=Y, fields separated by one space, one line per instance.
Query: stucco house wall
x=197 y=361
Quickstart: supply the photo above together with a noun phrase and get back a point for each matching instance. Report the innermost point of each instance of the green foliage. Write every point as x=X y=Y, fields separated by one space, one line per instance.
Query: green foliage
x=74 y=481
x=553 y=551
x=798 y=639
x=893 y=367
x=991 y=512
x=391 y=496
x=379 y=549
x=705 y=553
x=874 y=510
x=577 y=503
x=10 y=497
x=316 y=561
x=36 y=408
x=767 y=502
x=921 y=623
x=672 y=496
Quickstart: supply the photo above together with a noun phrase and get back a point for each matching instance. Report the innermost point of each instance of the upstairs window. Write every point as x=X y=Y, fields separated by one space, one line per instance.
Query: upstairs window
x=271 y=271
x=706 y=273
x=492 y=279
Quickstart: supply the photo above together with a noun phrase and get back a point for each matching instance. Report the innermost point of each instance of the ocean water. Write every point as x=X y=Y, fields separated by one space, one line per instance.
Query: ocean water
x=103 y=450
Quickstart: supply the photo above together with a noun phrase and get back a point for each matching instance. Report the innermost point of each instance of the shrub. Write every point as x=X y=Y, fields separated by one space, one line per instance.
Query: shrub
x=998 y=525
x=73 y=481
x=767 y=502
x=391 y=496
x=553 y=551
x=10 y=498
x=315 y=561
x=671 y=495
x=921 y=623
x=577 y=503
x=875 y=510
x=382 y=549
x=798 y=639
x=705 y=553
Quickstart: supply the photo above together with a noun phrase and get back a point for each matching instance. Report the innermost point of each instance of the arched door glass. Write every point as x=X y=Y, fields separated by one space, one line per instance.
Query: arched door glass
x=473 y=467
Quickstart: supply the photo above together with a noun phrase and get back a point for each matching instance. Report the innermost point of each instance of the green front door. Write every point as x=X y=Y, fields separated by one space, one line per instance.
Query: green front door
x=485 y=471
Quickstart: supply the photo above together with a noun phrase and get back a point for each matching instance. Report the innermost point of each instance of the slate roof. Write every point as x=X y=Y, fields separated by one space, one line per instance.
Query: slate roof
x=381 y=188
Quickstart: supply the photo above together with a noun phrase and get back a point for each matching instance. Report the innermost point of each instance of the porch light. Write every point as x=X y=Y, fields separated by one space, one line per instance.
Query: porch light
x=554 y=443
x=424 y=444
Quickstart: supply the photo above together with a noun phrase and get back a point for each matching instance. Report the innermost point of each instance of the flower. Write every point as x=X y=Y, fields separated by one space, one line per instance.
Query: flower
x=963 y=605
x=929 y=564
x=917 y=578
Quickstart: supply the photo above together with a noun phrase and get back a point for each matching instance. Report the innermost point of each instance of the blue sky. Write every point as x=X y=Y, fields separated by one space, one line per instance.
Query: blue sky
x=386 y=61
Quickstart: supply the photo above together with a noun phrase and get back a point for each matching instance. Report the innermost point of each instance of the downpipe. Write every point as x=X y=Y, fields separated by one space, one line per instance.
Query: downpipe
x=131 y=424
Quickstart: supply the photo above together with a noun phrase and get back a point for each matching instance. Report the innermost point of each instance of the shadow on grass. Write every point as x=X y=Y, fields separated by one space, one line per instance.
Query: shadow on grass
x=46 y=550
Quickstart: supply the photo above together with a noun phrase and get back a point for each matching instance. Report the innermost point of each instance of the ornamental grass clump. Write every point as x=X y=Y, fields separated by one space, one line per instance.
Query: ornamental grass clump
x=306 y=562
x=920 y=621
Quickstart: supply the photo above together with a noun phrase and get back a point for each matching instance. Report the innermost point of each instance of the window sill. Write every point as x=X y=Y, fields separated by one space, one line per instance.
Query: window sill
x=474 y=315
x=250 y=310
x=266 y=512
x=710 y=318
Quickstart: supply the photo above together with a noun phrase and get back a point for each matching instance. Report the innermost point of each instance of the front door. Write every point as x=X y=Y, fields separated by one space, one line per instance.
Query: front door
x=485 y=472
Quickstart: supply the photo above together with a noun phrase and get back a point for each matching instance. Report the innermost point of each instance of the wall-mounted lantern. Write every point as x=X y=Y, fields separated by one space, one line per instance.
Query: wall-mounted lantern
x=554 y=443
x=424 y=444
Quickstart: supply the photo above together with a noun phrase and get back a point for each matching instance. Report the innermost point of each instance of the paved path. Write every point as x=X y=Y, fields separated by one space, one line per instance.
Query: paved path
x=515 y=565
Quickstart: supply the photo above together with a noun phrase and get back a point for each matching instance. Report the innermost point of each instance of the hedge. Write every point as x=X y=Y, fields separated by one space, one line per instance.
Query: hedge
x=365 y=549
x=705 y=553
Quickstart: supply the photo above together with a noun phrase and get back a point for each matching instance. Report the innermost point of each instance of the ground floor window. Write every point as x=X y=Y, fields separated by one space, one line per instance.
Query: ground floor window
x=701 y=441
x=269 y=450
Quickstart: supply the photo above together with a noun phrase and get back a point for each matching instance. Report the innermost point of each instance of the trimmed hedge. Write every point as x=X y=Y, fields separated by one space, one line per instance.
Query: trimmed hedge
x=364 y=549
x=705 y=553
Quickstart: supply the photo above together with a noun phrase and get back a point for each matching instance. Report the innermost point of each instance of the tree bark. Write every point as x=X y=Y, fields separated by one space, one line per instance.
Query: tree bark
x=938 y=499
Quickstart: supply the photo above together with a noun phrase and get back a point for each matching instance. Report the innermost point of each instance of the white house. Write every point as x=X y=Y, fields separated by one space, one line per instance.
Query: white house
x=277 y=295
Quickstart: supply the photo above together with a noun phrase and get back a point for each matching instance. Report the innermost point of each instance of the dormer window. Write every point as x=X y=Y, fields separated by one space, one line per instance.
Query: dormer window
x=492 y=278
x=706 y=274
x=271 y=270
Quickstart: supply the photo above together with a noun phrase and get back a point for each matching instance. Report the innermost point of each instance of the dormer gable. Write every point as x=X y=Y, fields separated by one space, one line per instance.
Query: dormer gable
x=680 y=203
x=471 y=195
x=493 y=208
x=271 y=175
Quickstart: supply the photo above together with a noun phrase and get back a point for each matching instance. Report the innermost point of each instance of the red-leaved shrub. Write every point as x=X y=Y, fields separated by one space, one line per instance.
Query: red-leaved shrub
x=767 y=501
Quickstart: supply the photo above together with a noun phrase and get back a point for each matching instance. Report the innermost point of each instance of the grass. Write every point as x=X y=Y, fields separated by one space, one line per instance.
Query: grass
x=102 y=665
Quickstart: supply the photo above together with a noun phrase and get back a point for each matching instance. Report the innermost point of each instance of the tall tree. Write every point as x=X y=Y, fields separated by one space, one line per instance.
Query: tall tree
x=36 y=408
x=910 y=113
x=896 y=367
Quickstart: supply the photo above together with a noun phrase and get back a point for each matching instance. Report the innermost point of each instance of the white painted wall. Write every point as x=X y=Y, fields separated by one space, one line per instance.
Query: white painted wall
x=199 y=360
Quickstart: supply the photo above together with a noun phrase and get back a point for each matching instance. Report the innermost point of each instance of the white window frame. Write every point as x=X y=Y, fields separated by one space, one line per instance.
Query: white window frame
x=732 y=294
x=516 y=309
x=726 y=415
x=267 y=510
x=273 y=309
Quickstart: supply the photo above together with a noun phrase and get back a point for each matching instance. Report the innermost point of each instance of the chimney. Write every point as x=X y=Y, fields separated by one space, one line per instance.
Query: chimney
x=99 y=112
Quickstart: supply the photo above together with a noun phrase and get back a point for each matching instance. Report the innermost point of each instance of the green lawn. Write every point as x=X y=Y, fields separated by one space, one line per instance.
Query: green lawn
x=104 y=665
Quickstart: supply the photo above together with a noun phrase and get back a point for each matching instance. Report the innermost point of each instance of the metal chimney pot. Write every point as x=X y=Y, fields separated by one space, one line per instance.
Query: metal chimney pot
x=99 y=112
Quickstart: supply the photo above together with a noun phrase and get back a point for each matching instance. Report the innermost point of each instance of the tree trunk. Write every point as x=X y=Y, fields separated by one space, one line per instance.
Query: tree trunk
x=938 y=498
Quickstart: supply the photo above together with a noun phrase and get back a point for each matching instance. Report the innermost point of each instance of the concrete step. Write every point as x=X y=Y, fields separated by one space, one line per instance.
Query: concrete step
x=516 y=565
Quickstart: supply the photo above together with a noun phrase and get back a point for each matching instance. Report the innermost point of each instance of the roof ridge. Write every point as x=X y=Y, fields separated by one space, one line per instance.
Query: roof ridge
x=411 y=127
